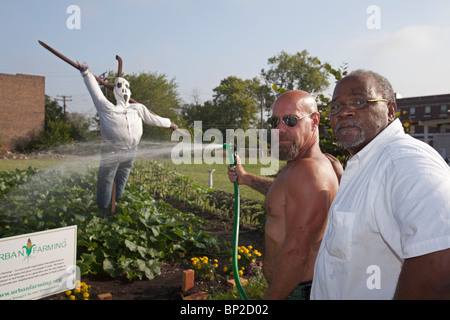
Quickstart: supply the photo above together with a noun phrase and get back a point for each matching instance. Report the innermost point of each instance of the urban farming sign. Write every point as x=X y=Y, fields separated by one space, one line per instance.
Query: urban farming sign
x=36 y=265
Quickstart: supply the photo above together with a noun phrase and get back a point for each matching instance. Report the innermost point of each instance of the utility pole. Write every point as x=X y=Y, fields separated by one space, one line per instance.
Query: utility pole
x=262 y=107
x=64 y=99
x=105 y=78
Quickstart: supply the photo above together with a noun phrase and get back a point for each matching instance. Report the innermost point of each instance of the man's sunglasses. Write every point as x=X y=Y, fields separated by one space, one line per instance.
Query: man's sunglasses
x=289 y=120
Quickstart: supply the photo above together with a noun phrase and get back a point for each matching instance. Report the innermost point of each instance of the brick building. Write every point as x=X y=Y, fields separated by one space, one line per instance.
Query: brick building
x=22 y=109
x=428 y=119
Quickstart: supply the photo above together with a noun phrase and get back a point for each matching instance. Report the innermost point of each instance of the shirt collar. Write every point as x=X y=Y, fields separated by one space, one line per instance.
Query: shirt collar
x=377 y=143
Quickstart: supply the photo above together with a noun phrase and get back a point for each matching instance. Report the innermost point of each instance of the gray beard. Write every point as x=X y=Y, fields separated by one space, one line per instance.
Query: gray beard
x=287 y=153
x=342 y=132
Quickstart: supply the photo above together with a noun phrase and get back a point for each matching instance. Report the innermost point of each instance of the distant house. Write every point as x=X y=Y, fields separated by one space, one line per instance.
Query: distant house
x=22 y=109
x=427 y=118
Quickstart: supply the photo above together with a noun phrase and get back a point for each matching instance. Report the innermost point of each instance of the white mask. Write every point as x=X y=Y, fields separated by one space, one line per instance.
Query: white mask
x=122 y=90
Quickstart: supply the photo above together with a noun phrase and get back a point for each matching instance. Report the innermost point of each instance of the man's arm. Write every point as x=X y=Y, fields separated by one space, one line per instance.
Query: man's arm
x=150 y=118
x=237 y=173
x=99 y=99
x=425 y=277
x=307 y=202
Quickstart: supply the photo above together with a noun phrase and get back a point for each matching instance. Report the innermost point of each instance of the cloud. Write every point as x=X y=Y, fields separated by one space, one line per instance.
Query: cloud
x=413 y=58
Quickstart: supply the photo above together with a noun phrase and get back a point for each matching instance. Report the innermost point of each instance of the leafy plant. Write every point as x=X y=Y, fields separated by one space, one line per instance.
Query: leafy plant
x=255 y=289
x=143 y=232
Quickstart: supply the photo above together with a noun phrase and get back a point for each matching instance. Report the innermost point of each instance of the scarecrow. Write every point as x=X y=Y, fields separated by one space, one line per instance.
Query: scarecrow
x=120 y=129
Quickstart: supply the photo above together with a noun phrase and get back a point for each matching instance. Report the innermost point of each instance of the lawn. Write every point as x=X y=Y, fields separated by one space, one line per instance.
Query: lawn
x=198 y=172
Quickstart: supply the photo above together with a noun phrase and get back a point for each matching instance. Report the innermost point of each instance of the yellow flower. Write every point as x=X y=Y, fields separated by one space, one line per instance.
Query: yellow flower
x=225 y=269
x=240 y=272
x=68 y=293
x=86 y=295
x=72 y=297
x=76 y=291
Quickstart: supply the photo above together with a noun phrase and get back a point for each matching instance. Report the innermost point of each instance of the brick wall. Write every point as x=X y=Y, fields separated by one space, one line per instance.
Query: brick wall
x=22 y=109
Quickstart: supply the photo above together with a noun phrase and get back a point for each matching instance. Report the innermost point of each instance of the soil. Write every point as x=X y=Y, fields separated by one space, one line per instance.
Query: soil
x=167 y=285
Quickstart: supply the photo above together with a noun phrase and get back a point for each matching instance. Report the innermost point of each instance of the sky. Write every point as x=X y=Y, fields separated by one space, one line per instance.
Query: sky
x=198 y=43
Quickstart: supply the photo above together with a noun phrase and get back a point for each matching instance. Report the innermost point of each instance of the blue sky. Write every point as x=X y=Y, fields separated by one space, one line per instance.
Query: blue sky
x=201 y=42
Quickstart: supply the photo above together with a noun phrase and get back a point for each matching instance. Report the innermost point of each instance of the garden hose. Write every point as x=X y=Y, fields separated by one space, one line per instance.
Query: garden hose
x=237 y=278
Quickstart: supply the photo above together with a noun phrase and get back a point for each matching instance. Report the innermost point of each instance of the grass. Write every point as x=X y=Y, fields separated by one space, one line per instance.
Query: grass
x=40 y=164
x=197 y=172
x=200 y=174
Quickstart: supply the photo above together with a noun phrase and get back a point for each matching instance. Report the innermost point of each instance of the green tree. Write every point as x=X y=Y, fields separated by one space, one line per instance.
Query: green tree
x=236 y=102
x=159 y=94
x=298 y=71
x=53 y=111
x=58 y=129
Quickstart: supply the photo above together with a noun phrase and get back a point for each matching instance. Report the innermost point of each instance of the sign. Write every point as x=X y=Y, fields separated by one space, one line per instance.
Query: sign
x=36 y=265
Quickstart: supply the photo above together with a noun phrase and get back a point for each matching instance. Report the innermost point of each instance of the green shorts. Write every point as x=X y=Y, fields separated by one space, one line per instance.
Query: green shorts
x=302 y=292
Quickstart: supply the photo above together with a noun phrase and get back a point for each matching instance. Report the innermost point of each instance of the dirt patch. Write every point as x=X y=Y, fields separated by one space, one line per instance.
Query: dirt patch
x=167 y=285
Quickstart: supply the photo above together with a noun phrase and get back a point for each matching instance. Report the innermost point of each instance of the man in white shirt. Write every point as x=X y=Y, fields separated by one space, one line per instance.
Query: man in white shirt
x=121 y=131
x=388 y=231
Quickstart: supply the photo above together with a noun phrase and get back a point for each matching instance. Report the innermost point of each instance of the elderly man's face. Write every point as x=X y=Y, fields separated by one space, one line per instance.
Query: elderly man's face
x=354 y=129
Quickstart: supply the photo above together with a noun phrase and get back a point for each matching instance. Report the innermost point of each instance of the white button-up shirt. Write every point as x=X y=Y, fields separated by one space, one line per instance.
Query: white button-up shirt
x=393 y=203
x=121 y=125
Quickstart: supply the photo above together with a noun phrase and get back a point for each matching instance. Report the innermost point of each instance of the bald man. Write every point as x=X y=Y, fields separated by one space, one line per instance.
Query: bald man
x=297 y=201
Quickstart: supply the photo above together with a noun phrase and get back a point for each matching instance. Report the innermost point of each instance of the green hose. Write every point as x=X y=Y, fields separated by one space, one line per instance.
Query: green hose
x=237 y=210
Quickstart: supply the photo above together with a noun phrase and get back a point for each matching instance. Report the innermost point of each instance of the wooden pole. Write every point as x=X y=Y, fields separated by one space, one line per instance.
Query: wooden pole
x=113 y=198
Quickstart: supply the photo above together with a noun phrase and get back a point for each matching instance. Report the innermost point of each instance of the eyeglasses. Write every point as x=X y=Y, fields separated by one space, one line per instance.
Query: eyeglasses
x=289 y=120
x=334 y=108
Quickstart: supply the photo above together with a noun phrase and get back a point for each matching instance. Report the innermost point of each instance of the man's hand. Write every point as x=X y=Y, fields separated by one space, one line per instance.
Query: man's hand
x=83 y=67
x=236 y=172
x=173 y=126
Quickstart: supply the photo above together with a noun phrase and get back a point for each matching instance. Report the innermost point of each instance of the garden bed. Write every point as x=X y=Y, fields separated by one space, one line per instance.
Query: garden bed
x=153 y=236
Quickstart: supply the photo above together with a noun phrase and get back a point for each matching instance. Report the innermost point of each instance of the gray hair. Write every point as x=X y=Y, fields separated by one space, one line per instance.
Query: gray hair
x=382 y=84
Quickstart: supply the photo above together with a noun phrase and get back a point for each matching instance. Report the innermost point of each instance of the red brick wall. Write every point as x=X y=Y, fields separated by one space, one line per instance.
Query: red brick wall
x=22 y=109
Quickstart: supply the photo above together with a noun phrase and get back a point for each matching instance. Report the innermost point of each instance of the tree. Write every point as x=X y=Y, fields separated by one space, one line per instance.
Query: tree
x=53 y=111
x=236 y=102
x=159 y=95
x=297 y=71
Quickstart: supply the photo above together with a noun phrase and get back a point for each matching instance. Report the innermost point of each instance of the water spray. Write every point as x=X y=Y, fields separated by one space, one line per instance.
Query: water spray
x=232 y=154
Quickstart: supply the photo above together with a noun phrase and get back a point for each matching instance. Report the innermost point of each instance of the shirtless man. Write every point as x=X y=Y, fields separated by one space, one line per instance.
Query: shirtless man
x=297 y=200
